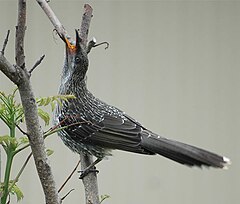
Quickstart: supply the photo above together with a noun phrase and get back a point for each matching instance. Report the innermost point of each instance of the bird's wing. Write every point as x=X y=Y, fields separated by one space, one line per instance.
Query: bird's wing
x=112 y=132
x=124 y=133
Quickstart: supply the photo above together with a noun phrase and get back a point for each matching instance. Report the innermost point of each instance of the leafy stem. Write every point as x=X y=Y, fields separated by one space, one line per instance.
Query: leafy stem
x=7 y=177
x=20 y=172
x=10 y=155
x=11 y=113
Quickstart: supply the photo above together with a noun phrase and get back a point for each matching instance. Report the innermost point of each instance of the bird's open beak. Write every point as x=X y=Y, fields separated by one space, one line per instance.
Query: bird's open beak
x=70 y=47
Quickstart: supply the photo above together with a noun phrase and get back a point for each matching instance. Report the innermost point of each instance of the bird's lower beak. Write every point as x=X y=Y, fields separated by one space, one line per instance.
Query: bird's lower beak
x=69 y=45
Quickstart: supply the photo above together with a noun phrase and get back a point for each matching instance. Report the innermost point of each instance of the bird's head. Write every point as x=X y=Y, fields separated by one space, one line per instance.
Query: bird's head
x=76 y=60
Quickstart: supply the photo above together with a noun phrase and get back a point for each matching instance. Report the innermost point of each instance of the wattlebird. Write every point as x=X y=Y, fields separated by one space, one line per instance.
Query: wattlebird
x=96 y=128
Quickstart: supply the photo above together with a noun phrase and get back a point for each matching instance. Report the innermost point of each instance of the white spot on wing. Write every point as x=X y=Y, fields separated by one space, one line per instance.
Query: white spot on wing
x=149 y=135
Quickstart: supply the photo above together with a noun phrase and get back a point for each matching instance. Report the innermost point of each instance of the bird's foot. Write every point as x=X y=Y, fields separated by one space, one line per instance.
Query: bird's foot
x=86 y=171
x=90 y=168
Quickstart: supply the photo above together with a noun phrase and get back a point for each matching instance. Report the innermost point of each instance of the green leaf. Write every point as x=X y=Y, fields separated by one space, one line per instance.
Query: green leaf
x=66 y=97
x=104 y=197
x=49 y=152
x=19 y=114
x=1 y=189
x=17 y=191
x=53 y=105
x=44 y=115
x=11 y=112
x=44 y=101
x=23 y=140
x=6 y=140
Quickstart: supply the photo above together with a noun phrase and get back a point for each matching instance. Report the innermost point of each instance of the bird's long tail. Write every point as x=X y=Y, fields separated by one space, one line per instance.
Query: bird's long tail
x=182 y=153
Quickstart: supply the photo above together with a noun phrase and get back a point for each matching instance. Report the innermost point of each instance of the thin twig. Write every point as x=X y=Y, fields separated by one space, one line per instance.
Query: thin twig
x=54 y=34
x=21 y=130
x=38 y=62
x=90 y=180
x=49 y=132
x=102 y=43
x=53 y=18
x=68 y=178
x=67 y=194
x=92 y=44
x=5 y=42
x=20 y=172
x=45 y=135
x=20 y=34
x=59 y=126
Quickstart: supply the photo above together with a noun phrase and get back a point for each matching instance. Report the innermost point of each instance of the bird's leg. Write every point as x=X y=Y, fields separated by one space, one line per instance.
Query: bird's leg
x=90 y=168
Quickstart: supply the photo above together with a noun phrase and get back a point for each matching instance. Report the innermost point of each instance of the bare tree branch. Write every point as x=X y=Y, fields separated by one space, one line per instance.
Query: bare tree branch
x=21 y=77
x=53 y=18
x=89 y=181
x=20 y=33
x=36 y=64
x=86 y=19
x=34 y=131
x=12 y=72
x=5 y=42
x=92 y=44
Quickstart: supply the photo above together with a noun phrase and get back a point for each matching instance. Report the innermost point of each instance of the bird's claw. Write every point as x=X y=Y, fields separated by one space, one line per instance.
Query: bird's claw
x=85 y=172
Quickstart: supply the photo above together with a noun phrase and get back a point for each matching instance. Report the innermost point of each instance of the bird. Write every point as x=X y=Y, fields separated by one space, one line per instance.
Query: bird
x=94 y=127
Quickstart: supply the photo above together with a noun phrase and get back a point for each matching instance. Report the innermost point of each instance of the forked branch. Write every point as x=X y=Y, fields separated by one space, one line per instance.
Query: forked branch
x=21 y=77
x=89 y=181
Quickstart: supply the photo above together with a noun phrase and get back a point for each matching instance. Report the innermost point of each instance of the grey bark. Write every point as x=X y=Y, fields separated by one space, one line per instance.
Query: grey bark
x=89 y=181
x=20 y=76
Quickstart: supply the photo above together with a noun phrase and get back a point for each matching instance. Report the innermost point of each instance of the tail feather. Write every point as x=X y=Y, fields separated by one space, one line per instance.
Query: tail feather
x=182 y=153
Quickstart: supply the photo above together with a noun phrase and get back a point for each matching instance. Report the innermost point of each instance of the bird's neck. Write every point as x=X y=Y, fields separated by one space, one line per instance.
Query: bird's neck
x=72 y=85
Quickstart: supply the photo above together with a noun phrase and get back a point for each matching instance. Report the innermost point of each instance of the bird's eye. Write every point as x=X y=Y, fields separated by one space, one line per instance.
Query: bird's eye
x=77 y=59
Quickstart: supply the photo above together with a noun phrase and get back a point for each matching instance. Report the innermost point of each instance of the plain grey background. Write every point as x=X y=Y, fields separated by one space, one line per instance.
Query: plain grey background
x=173 y=65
